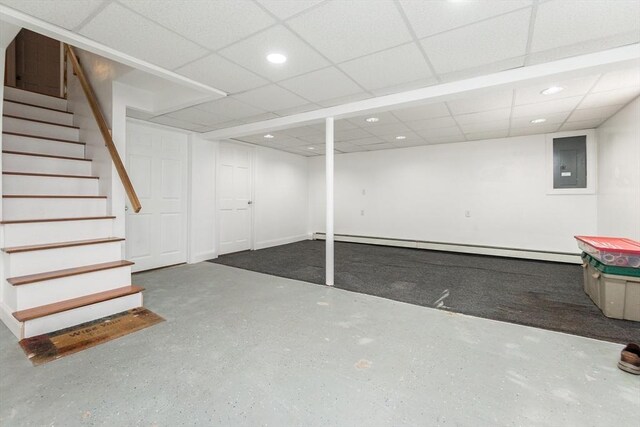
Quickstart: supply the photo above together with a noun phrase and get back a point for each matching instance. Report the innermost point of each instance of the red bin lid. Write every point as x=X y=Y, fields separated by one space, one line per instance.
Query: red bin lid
x=610 y=244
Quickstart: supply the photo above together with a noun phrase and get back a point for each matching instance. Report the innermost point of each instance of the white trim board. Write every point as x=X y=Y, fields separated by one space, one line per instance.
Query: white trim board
x=571 y=258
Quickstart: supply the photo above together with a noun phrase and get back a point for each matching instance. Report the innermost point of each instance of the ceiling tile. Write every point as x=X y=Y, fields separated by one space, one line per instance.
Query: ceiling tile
x=390 y=67
x=629 y=77
x=259 y=118
x=481 y=70
x=252 y=54
x=485 y=116
x=338 y=125
x=422 y=112
x=271 y=98
x=549 y=107
x=432 y=17
x=138 y=114
x=446 y=139
x=313 y=139
x=384 y=118
x=347 y=147
x=194 y=115
x=551 y=119
x=594 y=113
x=180 y=124
x=610 y=97
x=344 y=30
x=230 y=108
x=300 y=131
x=489 y=101
x=409 y=137
x=67 y=14
x=535 y=130
x=479 y=44
x=483 y=127
x=487 y=135
x=367 y=141
x=323 y=84
x=213 y=24
x=411 y=143
x=433 y=134
x=381 y=146
x=440 y=122
x=582 y=124
x=216 y=71
x=572 y=87
x=284 y=9
x=350 y=134
x=141 y=38
x=389 y=129
x=568 y=22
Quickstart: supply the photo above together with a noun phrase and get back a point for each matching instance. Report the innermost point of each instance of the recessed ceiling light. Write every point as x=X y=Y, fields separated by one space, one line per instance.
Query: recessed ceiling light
x=552 y=90
x=371 y=119
x=269 y=136
x=401 y=137
x=536 y=121
x=276 y=58
x=311 y=148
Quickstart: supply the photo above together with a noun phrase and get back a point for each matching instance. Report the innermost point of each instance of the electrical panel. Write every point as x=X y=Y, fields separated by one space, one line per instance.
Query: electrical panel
x=570 y=162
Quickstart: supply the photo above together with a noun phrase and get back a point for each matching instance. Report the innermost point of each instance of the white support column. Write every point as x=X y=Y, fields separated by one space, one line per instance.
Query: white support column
x=329 y=190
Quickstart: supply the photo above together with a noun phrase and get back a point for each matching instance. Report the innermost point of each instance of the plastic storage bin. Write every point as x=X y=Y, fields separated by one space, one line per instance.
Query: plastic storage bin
x=617 y=295
x=611 y=250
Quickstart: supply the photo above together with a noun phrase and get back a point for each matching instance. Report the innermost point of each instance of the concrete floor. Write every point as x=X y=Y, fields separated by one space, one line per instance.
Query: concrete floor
x=242 y=348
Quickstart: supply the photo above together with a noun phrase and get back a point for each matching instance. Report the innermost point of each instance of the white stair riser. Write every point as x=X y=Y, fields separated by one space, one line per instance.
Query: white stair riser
x=27 y=184
x=23 y=263
x=15 y=94
x=41 y=208
x=69 y=318
x=35 y=233
x=41 y=146
x=36 y=113
x=51 y=291
x=20 y=163
x=28 y=127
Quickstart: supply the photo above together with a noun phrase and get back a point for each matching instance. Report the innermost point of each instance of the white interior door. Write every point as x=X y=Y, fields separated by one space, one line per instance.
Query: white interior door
x=157 y=165
x=234 y=198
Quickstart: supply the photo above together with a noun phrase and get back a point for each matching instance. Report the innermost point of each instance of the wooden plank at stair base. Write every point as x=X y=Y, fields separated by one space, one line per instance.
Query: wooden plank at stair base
x=70 y=304
x=29 y=248
x=49 y=275
x=81 y=218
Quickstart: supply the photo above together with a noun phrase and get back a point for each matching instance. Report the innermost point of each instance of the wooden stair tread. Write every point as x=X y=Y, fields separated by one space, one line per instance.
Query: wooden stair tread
x=81 y=218
x=37 y=106
x=51 y=156
x=58 y=245
x=26 y=135
x=70 y=304
x=40 y=121
x=49 y=196
x=50 y=175
x=37 y=93
x=57 y=274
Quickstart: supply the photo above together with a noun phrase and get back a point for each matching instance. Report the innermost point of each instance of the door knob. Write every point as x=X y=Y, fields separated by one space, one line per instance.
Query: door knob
x=249 y=202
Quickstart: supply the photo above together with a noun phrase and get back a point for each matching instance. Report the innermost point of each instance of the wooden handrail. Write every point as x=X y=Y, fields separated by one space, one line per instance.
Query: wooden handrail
x=104 y=129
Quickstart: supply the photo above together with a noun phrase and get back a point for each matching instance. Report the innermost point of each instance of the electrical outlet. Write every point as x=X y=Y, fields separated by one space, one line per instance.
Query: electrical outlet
x=362 y=212
x=467 y=214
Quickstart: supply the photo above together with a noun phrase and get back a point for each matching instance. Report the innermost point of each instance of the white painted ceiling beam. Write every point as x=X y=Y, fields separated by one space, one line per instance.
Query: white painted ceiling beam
x=594 y=63
x=20 y=19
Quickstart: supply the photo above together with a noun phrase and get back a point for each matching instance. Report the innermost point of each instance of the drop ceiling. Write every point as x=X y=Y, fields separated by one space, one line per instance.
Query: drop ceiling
x=343 y=51
x=583 y=103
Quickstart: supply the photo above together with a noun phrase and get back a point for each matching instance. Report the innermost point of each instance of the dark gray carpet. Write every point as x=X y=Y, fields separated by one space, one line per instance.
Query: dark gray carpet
x=534 y=293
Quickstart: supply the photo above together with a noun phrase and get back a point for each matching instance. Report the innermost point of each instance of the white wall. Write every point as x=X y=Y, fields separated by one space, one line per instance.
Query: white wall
x=280 y=197
x=619 y=174
x=202 y=199
x=422 y=193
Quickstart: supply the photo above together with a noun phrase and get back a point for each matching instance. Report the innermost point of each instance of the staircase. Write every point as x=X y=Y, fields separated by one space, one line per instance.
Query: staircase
x=62 y=264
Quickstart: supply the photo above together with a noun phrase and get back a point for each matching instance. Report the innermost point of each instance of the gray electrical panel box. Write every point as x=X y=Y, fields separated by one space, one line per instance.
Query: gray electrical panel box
x=570 y=162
